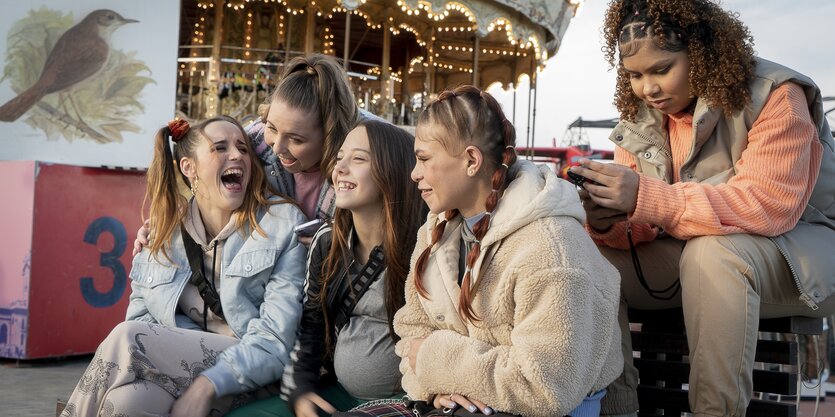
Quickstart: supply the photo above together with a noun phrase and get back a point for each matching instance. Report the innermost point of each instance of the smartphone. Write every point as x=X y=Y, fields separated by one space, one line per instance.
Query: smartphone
x=308 y=229
x=578 y=179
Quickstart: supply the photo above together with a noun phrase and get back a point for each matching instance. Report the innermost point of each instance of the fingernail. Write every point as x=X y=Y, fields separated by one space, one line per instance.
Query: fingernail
x=452 y=404
x=472 y=409
x=488 y=411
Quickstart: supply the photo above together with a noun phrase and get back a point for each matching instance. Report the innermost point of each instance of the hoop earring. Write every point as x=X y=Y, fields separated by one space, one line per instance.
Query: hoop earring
x=193 y=186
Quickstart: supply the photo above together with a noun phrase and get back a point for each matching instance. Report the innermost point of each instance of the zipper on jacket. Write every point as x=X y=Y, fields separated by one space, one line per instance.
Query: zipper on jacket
x=803 y=296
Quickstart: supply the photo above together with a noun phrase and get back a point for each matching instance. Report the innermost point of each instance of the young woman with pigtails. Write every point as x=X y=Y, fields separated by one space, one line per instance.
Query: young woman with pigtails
x=510 y=308
x=216 y=296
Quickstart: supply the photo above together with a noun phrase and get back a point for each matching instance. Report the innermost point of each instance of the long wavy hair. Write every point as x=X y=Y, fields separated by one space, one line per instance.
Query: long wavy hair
x=392 y=161
x=718 y=45
x=317 y=84
x=168 y=206
x=459 y=118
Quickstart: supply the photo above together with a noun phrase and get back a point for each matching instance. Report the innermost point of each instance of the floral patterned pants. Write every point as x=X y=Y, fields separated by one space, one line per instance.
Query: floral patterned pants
x=140 y=369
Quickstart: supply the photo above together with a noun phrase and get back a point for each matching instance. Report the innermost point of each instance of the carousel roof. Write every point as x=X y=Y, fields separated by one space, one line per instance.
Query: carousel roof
x=503 y=38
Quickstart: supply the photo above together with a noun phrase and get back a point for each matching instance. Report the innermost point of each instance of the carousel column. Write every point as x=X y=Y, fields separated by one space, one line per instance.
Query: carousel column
x=287 y=42
x=190 y=94
x=530 y=96
x=475 y=59
x=405 y=100
x=430 y=68
x=535 y=72
x=212 y=102
x=346 y=49
x=309 y=30
x=386 y=82
x=513 y=80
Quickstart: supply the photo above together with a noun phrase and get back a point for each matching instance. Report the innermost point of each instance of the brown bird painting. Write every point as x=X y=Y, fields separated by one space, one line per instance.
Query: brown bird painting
x=79 y=53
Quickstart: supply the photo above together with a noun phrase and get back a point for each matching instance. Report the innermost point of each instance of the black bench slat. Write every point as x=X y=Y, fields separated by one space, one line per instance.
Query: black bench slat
x=651 y=370
x=776 y=351
x=774 y=382
x=794 y=325
x=673 y=316
x=673 y=319
x=675 y=401
x=766 y=408
x=660 y=343
x=668 y=399
x=771 y=351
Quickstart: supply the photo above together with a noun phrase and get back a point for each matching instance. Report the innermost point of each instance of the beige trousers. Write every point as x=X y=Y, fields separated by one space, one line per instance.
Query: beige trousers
x=727 y=284
x=140 y=369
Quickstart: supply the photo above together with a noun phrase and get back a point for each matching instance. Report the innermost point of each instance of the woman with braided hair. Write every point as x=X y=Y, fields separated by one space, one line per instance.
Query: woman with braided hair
x=723 y=178
x=509 y=306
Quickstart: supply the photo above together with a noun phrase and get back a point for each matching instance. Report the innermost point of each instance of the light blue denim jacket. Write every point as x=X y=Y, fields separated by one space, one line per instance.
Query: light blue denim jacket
x=260 y=291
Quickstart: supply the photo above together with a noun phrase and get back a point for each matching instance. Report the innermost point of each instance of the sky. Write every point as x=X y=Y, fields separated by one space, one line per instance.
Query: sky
x=576 y=81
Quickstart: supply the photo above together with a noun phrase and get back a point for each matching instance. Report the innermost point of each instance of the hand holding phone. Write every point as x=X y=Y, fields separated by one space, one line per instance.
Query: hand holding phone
x=308 y=229
x=578 y=179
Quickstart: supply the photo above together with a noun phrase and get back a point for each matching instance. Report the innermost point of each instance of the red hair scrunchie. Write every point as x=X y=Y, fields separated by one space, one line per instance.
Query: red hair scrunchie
x=178 y=128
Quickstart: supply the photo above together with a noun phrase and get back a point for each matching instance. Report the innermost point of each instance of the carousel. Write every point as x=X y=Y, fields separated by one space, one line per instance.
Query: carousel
x=398 y=53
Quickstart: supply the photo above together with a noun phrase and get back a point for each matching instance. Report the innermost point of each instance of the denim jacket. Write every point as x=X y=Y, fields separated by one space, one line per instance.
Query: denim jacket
x=261 y=289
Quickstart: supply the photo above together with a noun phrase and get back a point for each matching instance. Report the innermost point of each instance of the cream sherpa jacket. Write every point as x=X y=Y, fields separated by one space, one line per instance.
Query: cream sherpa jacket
x=547 y=299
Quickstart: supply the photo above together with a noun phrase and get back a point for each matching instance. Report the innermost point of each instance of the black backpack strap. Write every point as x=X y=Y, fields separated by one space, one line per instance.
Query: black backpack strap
x=198 y=278
x=350 y=293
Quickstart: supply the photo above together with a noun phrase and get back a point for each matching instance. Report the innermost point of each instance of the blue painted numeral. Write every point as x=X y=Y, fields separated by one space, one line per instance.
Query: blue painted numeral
x=106 y=259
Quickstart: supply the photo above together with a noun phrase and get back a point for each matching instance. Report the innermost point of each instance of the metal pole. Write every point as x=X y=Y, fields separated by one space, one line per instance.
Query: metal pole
x=309 y=30
x=214 y=65
x=347 y=46
x=430 y=74
x=530 y=96
x=533 y=128
x=200 y=91
x=404 y=89
x=475 y=59
x=287 y=43
x=190 y=95
x=513 y=80
x=385 y=75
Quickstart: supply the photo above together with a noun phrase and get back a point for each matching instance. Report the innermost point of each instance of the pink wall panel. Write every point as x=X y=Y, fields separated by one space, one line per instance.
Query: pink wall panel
x=17 y=191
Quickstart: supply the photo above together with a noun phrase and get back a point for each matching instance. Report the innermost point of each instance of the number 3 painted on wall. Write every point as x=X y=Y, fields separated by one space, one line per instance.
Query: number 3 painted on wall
x=106 y=259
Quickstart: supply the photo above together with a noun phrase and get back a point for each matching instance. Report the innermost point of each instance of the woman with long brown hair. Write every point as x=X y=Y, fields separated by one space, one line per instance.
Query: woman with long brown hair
x=357 y=268
x=216 y=296
x=509 y=306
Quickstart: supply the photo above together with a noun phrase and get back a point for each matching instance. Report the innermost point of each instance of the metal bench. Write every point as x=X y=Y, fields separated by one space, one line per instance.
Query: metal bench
x=664 y=370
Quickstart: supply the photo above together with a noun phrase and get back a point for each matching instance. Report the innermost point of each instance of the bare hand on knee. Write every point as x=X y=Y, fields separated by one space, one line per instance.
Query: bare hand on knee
x=307 y=404
x=197 y=399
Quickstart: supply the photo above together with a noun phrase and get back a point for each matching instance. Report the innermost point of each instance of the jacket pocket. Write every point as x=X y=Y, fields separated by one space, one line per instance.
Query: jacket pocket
x=151 y=275
x=250 y=264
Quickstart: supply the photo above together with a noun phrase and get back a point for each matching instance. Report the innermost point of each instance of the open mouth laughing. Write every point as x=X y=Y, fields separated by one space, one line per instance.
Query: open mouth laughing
x=232 y=179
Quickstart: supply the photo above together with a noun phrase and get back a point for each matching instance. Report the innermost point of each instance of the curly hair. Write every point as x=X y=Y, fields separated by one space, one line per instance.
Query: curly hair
x=718 y=45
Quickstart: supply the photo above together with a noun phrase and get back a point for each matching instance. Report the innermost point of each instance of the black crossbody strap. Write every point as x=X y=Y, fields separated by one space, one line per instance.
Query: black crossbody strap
x=198 y=278
x=358 y=286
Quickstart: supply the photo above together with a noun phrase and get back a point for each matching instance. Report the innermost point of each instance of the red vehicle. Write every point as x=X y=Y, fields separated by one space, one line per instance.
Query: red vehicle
x=559 y=159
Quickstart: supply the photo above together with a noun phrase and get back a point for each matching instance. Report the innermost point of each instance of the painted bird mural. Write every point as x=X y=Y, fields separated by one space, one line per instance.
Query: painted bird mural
x=79 y=54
